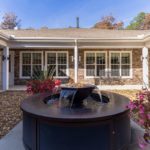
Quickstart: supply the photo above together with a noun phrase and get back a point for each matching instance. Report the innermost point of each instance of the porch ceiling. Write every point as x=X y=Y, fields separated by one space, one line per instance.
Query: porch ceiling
x=2 y=43
x=80 y=44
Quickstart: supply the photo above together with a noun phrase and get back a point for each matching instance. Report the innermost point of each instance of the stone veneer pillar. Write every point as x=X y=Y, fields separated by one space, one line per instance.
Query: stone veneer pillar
x=145 y=67
x=5 y=68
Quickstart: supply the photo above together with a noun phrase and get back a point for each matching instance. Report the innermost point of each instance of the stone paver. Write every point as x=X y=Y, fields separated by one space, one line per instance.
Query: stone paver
x=13 y=140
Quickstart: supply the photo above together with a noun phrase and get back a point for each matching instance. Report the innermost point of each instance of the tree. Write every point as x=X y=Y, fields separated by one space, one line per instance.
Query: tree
x=146 y=22
x=109 y=22
x=118 y=25
x=137 y=22
x=10 y=21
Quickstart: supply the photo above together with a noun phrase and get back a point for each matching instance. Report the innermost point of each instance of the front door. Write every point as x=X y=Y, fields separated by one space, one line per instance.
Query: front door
x=11 y=68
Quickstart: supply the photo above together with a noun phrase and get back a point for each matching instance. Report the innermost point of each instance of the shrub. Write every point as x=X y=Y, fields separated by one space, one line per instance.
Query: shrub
x=40 y=86
x=140 y=111
x=43 y=81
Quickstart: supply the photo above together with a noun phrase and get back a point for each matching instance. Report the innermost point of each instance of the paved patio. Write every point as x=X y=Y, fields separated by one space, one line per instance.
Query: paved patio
x=13 y=140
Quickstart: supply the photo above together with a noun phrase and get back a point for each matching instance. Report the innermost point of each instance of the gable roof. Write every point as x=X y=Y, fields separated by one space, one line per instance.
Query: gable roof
x=76 y=33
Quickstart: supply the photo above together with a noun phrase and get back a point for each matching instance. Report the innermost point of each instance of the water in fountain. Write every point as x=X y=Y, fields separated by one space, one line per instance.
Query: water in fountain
x=67 y=95
x=100 y=94
x=79 y=97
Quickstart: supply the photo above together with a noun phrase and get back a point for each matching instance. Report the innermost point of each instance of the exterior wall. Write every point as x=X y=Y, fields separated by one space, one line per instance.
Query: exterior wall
x=19 y=81
x=136 y=68
x=0 y=68
x=149 y=66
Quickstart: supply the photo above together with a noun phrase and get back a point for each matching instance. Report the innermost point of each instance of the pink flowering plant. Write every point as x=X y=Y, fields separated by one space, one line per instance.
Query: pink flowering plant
x=140 y=112
x=43 y=81
x=48 y=85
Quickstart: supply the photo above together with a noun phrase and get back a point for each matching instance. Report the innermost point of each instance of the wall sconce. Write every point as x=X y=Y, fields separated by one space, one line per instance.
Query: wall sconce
x=5 y=58
x=72 y=59
x=143 y=58
x=79 y=58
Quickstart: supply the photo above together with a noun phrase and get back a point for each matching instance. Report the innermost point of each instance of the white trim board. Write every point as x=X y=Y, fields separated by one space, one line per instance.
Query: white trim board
x=120 y=87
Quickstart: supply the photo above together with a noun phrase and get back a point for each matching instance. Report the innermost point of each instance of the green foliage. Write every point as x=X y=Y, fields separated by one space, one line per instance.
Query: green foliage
x=43 y=75
x=137 y=22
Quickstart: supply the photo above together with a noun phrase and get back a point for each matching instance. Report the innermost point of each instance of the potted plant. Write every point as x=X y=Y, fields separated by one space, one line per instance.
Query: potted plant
x=43 y=81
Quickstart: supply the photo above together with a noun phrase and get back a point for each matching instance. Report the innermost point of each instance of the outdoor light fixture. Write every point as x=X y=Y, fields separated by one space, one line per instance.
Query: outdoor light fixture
x=5 y=58
x=143 y=58
x=79 y=58
x=72 y=58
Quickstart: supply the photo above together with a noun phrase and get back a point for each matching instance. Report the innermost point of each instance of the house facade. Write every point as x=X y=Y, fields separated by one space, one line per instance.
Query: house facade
x=117 y=59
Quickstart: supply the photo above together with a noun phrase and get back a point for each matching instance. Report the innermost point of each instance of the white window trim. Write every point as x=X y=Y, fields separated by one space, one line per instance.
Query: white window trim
x=131 y=70
x=89 y=77
x=67 y=69
x=21 y=53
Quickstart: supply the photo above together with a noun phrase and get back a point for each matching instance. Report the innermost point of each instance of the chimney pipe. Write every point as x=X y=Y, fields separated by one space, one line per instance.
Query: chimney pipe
x=77 y=22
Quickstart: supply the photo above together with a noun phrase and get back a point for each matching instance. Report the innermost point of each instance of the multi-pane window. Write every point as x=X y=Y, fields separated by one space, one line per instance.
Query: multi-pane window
x=95 y=63
x=120 y=63
x=58 y=62
x=31 y=63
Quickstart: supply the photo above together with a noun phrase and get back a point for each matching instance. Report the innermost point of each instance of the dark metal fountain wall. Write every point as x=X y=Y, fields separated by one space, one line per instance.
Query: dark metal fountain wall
x=97 y=127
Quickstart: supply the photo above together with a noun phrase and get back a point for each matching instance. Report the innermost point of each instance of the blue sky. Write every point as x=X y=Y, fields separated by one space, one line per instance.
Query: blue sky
x=62 y=13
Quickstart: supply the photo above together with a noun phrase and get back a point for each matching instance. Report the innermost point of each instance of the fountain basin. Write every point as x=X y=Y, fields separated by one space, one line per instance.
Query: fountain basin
x=49 y=127
x=76 y=95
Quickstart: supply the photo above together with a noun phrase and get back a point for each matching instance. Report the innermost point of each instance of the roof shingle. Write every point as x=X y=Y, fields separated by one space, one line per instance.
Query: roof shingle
x=76 y=33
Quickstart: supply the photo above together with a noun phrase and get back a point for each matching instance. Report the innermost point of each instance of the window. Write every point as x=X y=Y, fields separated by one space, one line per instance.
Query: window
x=31 y=63
x=95 y=63
x=59 y=62
x=120 y=64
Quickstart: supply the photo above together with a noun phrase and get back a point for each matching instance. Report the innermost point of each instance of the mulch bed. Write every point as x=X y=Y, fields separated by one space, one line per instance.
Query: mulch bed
x=131 y=94
x=10 y=113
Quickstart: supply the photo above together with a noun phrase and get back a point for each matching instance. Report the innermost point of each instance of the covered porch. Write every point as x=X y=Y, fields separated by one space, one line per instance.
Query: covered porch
x=76 y=68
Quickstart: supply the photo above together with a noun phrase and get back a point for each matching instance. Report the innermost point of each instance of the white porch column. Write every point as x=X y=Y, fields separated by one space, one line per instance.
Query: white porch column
x=145 y=67
x=5 y=75
x=75 y=62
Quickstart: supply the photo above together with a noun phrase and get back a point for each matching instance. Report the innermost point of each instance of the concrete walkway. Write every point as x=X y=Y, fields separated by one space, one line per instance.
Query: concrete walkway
x=13 y=140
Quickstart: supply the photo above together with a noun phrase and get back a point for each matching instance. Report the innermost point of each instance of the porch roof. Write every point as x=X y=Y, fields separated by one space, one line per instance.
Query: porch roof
x=76 y=33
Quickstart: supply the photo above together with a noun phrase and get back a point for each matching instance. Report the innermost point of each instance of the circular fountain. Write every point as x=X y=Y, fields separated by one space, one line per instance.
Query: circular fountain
x=77 y=118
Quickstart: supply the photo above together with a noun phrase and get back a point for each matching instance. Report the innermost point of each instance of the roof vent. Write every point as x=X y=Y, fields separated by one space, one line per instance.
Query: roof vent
x=77 y=22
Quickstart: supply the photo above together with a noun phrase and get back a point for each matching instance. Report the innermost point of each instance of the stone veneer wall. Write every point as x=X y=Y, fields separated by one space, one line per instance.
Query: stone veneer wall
x=149 y=66
x=136 y=65
x=1 y=68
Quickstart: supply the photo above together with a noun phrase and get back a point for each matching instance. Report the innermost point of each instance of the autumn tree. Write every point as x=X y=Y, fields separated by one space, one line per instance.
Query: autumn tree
x=109 y=22
x=146 y=23
x=10 y=21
